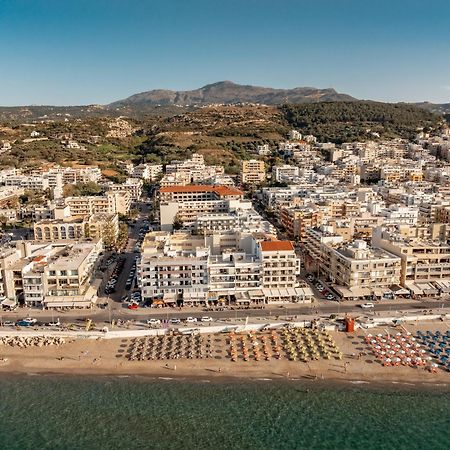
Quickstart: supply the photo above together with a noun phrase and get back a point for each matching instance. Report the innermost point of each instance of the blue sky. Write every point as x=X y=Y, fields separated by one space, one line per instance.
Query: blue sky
x=97 y=51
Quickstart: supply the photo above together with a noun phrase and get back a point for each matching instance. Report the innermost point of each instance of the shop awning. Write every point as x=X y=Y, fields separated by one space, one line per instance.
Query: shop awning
x=8 y=302
x=398 y=290
x=414 y=288
x=428 y=288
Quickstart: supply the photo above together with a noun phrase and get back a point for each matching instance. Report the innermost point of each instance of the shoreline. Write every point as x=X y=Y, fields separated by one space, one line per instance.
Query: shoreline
x=384 y=385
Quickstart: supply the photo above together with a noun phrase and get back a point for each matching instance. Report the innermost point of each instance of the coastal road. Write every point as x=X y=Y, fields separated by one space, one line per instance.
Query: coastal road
x=271 y=313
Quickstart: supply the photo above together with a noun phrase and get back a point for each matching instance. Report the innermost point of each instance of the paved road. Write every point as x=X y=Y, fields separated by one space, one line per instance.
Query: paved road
x=105 y=315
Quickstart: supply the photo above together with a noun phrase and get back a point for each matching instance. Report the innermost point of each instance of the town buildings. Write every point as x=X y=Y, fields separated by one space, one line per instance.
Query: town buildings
x=253 y=171
x=50 y=274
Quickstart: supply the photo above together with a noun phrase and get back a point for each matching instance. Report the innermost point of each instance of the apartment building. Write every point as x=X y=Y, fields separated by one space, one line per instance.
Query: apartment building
x=57 y=274
x=358 y=271
x=425 y=264
x=173 y=267
x=72 y=175
x=186 y=203
x=253 y=171
x=240 y=216
x=104 y=226
x=28 y=182
x=193 y=170
x=181 y=267
x=132 y=186
x=280 y=264
x=110 y=203
x=148 y=172
x=297 y=220
x=285 y=173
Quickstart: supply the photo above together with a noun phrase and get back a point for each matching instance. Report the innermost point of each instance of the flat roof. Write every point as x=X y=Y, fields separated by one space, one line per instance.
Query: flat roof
x=274 y=246
x=219 y=190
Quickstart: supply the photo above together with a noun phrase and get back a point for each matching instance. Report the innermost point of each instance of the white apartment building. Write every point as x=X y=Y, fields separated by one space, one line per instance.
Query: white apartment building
x=285 y=173
x=110 y=203
x=397 y=214
x=186 y=203
x=194 y=169
x=132 y=185
x=72 y=175
x=240 y=216
x=425 y=263
x=180 y=267
x=57 y=274
x=31 y=182
x=263 y=150
x=149 y=172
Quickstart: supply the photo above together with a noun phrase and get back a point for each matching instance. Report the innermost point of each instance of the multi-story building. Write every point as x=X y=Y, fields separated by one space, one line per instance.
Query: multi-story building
x=110 y=203
x=104 y=226
x=280 y=264
x=183 y=204
x=57 y=274
x=31 y=182
x=297 y=220
x=149 y=172
x=191 y=269
x=173 y=267
x=72 y=175
x=425 y=264
x=253 y=171
x=132 y=185
x=285 y=173
x=360 y=271
x=241 y=216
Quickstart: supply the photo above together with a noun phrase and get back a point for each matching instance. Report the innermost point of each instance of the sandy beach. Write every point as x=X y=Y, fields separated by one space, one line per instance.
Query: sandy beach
x=109 y=357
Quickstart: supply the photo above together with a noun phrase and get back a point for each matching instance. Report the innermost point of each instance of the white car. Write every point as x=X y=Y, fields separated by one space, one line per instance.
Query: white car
x=367 y=305
x=206 y=319
x=153 y=322
x=191 y=320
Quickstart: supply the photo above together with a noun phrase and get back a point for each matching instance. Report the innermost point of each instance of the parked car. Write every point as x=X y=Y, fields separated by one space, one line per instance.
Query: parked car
x=319 y=287
x=28 y=322
x=206 y=319
x=191 y=320
x=368 y=305
x=175 y=321
x=153 y=322
x=8 y=323
x=309 y=277
x=133 y=306
x=54 y=324
x=330 y=297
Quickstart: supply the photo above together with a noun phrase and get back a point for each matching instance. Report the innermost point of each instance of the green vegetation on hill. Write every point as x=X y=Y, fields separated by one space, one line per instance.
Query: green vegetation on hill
x=358 y=121
x=224 y=135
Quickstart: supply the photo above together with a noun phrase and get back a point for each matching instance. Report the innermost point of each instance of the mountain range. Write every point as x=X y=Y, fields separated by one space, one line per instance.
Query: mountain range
x=227 y=92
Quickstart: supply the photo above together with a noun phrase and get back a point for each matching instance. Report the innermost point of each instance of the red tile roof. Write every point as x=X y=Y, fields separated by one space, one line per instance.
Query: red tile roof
x=219 y=190
x=276 y=246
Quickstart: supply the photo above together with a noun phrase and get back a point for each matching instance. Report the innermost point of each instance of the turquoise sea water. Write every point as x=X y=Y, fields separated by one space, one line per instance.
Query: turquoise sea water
x=126 y=413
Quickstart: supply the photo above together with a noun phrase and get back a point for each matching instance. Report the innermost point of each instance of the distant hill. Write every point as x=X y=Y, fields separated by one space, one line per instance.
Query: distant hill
x=359 y=120
x=227 y=92
x=437 y=108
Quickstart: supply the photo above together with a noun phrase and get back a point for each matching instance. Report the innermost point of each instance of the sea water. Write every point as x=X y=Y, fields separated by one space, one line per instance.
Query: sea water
x=51 y=412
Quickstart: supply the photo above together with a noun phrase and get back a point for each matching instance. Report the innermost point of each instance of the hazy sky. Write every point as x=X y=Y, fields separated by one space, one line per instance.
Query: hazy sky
x=97 y=51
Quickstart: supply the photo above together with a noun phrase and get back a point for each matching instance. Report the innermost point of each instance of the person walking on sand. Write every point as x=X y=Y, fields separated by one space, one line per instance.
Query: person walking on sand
x=346 y=364
x=174 y=367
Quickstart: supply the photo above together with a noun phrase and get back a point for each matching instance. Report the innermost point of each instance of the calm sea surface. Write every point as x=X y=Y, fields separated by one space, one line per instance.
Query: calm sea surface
x=125 y=413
